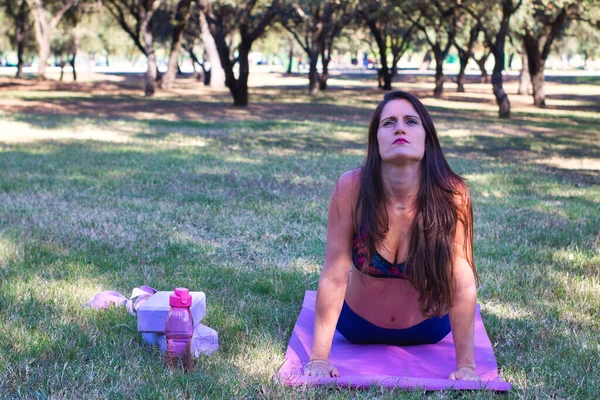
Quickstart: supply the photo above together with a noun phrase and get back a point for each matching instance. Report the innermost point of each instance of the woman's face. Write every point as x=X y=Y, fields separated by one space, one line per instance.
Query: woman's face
x=401 y=135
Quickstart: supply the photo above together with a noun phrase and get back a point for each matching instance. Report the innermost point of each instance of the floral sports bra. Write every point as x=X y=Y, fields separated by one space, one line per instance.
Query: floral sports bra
x=379 y=267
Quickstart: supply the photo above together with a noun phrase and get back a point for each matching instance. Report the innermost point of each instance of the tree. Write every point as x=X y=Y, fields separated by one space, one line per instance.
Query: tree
x=339 y=19
x=315 y=24
x=392 y=33
x=494 y=24
x=586 y=40
x=18 y=10
x=485 y=54
x=182 y=15
x=197 y=28
x=249 y=20
x=590 y=13
x=541 y=26
x=524 y=77
x=465 y=53
x=47 y=15
x=135 y=17
x=437 y=21
x=66 y=43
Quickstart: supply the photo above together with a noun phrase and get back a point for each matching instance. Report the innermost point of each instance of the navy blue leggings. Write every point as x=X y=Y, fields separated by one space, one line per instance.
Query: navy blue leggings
x=358 y=330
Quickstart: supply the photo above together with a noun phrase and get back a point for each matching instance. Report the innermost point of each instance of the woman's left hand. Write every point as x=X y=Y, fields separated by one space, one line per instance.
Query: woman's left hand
x=465 y=374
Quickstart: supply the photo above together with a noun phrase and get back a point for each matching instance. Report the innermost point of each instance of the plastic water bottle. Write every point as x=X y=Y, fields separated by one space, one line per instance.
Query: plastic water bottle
x=179 y=329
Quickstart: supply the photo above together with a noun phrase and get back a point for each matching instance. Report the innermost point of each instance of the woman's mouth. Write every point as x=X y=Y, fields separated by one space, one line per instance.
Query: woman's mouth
x=400 y=140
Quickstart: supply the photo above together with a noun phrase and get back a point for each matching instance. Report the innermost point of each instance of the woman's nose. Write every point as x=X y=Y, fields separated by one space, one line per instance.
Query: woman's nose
x=399 y=127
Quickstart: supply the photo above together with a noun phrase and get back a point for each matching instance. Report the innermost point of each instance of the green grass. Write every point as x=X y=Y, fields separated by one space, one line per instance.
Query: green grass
x=234 y=203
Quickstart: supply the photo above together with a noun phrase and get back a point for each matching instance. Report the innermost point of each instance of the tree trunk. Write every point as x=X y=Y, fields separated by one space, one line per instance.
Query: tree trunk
x=460 y=80
x=43 y=31
x=539 y=97
x=510 y=60
x=72 y=62
x=313 y=74
x=394 y=66
x=499 y=93
x=20 y=36
x=439 y=74
x=42 y=34
x=384 y=78
x=426 y=61
x=481 y=64
x=501 y=96
x=291 y=57
x=316 y=48
x=524 y=77
x=240 y=98
x=204 y=75
x=385 y=74
x=536 y=68
x=44 y=54
x=325 y=75
x=151 y=74
x=217 y=74
x=181 y=18
x=74 y=54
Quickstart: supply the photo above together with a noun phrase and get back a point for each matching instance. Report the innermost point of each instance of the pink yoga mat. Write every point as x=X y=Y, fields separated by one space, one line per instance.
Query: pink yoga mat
x=361 y=366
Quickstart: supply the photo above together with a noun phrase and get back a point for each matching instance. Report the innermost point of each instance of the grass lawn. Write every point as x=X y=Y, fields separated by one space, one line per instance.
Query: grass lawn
x=102 y=189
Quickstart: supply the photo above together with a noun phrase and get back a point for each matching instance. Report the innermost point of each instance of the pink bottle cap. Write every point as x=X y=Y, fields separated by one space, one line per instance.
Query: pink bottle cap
x=180 y=298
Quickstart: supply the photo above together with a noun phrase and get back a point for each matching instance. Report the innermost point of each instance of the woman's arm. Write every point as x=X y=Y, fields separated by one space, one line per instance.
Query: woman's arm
x=462 y=320
x=336 y=269
x=462 y=312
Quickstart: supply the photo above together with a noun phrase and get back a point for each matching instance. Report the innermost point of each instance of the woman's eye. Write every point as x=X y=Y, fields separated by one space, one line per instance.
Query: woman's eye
x=412 y=122
x=388 y=123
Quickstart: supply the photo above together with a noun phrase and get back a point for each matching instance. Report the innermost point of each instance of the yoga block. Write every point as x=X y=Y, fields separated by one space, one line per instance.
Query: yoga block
x=152 y=315
x=204 y=341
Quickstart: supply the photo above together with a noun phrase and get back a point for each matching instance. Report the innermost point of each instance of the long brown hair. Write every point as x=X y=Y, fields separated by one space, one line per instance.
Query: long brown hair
x=442 y=200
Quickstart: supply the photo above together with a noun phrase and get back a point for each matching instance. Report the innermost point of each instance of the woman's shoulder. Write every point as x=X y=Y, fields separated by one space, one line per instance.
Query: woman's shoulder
x=350 y=178
x=346 y=187
x=349 y=182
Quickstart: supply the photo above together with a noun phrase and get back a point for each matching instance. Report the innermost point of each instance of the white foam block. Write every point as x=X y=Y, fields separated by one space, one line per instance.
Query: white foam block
x=204 y=341
x=152 y=314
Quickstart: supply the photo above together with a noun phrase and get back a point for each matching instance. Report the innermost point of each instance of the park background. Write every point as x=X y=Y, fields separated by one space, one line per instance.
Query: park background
x=130 y=157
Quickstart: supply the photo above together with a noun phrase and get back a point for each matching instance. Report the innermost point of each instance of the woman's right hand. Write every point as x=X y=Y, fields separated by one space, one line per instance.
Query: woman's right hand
x=320 y=368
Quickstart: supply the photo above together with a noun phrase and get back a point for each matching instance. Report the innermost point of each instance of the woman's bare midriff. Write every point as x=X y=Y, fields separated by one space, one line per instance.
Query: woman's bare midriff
x=385 y=302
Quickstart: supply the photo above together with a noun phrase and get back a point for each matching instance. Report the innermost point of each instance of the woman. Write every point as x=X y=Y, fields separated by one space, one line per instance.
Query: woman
x=404 y=221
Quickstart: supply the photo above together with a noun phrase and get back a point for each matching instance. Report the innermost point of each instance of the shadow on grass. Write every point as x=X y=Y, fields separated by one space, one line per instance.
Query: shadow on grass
x=266 y=106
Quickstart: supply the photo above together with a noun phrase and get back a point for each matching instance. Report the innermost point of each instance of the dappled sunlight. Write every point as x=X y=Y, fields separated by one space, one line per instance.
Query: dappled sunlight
x=22 y=132
x=585 y=260
x=347 y=136
x=10 y=251
x=306 y=265
x=239 y=158
x=580 y=293
x=487 y=185
x=571 y=163
x=506 y=310
x=534 y=113
x=261 y=357
x=458 y=105
x=62 y=292
x=460 y=133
